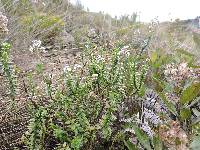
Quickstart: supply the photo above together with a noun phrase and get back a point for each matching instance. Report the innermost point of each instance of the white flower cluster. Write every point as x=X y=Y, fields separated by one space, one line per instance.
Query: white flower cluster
x=124 y=51
x=100 y=59
x=137 y=32
x=130 y=130
x=77 y=66
x=3 y=23
x=68 y=68
x=172 y=97
x=94 y=76
x=177 y=73
x=128 y=120
x=36 y=45
x=154 y=24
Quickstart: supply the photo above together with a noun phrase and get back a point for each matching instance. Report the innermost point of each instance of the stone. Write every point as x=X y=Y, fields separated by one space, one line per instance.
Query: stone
x=65 y=38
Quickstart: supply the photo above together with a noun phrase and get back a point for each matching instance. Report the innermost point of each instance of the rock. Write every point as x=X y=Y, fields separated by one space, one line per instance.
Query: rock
x=65 y=38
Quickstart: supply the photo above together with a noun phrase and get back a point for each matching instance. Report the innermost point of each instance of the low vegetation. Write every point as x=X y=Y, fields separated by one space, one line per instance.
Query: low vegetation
x=106 y=84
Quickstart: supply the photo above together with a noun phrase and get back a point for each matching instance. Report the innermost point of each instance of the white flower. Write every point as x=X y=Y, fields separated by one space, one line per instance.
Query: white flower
x=67 y=68
x=124 y=51
x=126 y=120
x=99 y=58
x=130 y=130
x=183 y=66
x=95 y=76
x=87 y=46
x=76 y=66
x=43 y=49
x=36 y=43
x=137 y=31
x=174 y=71
x=43 y=3
x=125 y=47
x=3 y=23
x=31 y=49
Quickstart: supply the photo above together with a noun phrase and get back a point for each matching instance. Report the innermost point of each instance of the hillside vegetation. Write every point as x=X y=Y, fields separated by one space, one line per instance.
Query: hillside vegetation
x=75 y=79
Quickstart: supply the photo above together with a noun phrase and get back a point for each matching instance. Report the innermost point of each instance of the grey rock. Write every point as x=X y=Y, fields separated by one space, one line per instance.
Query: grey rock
x=65 y=38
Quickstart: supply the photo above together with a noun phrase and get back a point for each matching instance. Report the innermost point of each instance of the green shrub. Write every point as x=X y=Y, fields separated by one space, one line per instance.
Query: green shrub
x=8 y=69
x=42 y=25
x=86 y=109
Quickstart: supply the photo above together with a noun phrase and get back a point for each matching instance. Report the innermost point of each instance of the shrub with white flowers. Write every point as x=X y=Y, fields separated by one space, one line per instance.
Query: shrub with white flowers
x=3 y=23
x=36 y=45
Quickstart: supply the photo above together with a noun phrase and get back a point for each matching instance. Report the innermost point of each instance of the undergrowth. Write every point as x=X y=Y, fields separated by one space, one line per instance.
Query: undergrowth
x=127 y=94
x=116 y=99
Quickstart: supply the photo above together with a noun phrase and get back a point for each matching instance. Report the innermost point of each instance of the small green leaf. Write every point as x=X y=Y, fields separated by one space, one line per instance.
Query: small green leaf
x=185 y=114
x=153 y=57
x=190 y=93
x=169 y=104
x=130 y=145
x=157 y=143
x=76 y=143
x=142 y=137
x=159 y=84
x=39 y=68
x=142 y=90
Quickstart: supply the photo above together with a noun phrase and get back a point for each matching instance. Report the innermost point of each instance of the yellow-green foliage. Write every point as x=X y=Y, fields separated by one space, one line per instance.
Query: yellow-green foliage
x=41 y=21
x=122 y=31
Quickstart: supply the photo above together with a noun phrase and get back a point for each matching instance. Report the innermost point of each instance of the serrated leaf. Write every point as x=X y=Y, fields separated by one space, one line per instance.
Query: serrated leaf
x=190 y=93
